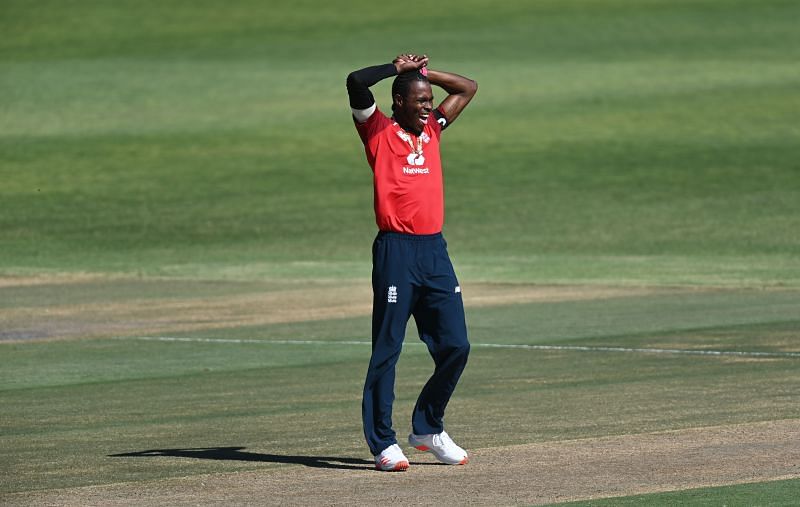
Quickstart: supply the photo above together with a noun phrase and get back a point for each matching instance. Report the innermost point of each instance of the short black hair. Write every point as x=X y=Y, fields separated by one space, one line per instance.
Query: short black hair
x=402 y=83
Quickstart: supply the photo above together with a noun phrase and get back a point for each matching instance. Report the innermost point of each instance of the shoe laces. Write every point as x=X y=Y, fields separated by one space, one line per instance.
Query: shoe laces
x=443 y=440
x=393 y=452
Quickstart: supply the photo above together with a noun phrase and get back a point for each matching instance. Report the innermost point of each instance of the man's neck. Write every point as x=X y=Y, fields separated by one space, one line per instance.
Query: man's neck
x=406 y=128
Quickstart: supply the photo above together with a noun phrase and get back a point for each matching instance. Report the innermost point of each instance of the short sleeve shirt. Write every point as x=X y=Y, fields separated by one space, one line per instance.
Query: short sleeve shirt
x=407 y=174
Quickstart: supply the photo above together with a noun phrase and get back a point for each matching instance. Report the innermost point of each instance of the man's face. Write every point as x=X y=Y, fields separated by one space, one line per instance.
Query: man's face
x=412 y=111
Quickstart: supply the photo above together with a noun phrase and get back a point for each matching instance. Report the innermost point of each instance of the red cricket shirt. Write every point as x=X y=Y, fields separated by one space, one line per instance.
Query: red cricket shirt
x=409 y=191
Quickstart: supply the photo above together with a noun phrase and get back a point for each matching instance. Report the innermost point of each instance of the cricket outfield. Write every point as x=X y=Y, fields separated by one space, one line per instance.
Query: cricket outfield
x=185 y=226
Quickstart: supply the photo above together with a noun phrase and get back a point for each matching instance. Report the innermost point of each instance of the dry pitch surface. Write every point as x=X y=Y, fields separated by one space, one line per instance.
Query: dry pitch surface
x=155 y=315
x=516 y=475
x=523 y=474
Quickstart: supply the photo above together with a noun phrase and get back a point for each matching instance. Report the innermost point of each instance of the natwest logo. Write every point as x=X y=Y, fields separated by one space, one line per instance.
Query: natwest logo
x=415 y=158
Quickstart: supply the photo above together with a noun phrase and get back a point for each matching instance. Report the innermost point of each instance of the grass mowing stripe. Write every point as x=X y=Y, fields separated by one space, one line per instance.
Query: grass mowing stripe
x=644 y=350
x=772 y=493
x=577 y=348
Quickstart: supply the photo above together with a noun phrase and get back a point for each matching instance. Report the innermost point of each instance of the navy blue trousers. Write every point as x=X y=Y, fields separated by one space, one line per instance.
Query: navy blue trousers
x=412 y=275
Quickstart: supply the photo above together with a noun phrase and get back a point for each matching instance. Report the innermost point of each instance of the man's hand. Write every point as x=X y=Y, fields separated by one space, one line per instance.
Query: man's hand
x=409 y=62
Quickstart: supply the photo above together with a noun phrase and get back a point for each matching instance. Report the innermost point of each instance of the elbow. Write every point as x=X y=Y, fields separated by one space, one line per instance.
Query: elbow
x=472 y=87
x=352 y=81
x=467 y=88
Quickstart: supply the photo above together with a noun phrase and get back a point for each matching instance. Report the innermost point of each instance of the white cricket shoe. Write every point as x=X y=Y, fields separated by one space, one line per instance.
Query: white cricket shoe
x=391 y=459
x=441 y=446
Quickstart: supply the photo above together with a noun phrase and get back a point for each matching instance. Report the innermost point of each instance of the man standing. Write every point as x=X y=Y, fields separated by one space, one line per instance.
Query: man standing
x=412 y=273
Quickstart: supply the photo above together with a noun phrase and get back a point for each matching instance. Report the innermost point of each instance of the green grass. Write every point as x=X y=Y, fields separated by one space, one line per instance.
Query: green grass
x=604 y=134
x=140 y=395
x=773 y=494
x=208 y=151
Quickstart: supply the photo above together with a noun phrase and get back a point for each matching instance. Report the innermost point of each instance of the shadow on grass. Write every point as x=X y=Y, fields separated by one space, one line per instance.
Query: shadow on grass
x=237 y=454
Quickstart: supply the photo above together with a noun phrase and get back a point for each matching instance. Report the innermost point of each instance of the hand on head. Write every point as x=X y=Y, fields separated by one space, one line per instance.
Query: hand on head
x=409 y=62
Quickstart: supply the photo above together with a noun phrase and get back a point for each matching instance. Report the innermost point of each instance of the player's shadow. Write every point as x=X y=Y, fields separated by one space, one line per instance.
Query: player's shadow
x=237 y=454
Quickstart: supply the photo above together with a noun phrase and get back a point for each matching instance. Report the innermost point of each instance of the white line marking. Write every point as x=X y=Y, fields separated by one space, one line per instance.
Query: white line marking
x=575 y=348
x=238 y=340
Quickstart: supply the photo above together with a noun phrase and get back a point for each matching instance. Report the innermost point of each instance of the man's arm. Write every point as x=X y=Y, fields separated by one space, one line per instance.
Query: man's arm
x=459 y=88
x=358 y=82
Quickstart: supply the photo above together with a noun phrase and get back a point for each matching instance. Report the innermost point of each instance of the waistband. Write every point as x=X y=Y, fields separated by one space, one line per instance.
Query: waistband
x=408 y=237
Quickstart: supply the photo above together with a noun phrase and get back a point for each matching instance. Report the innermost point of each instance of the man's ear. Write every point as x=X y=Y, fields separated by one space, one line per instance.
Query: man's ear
x=397 y=99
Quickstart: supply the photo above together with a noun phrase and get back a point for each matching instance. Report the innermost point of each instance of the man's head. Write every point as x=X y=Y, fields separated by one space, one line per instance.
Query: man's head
x=412 y=100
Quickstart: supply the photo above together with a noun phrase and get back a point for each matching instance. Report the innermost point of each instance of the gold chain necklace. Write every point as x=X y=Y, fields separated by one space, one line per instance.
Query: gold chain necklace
x=418 y=149
x=406 y=136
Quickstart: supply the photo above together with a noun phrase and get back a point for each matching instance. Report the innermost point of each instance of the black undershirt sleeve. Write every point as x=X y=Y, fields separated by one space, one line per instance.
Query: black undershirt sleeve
x=441 y=118
x=358 y=83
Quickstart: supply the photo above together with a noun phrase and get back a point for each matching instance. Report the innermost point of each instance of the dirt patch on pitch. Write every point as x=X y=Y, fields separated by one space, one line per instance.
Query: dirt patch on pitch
x=531 y=474
x=157 y=315
x=48 y=279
